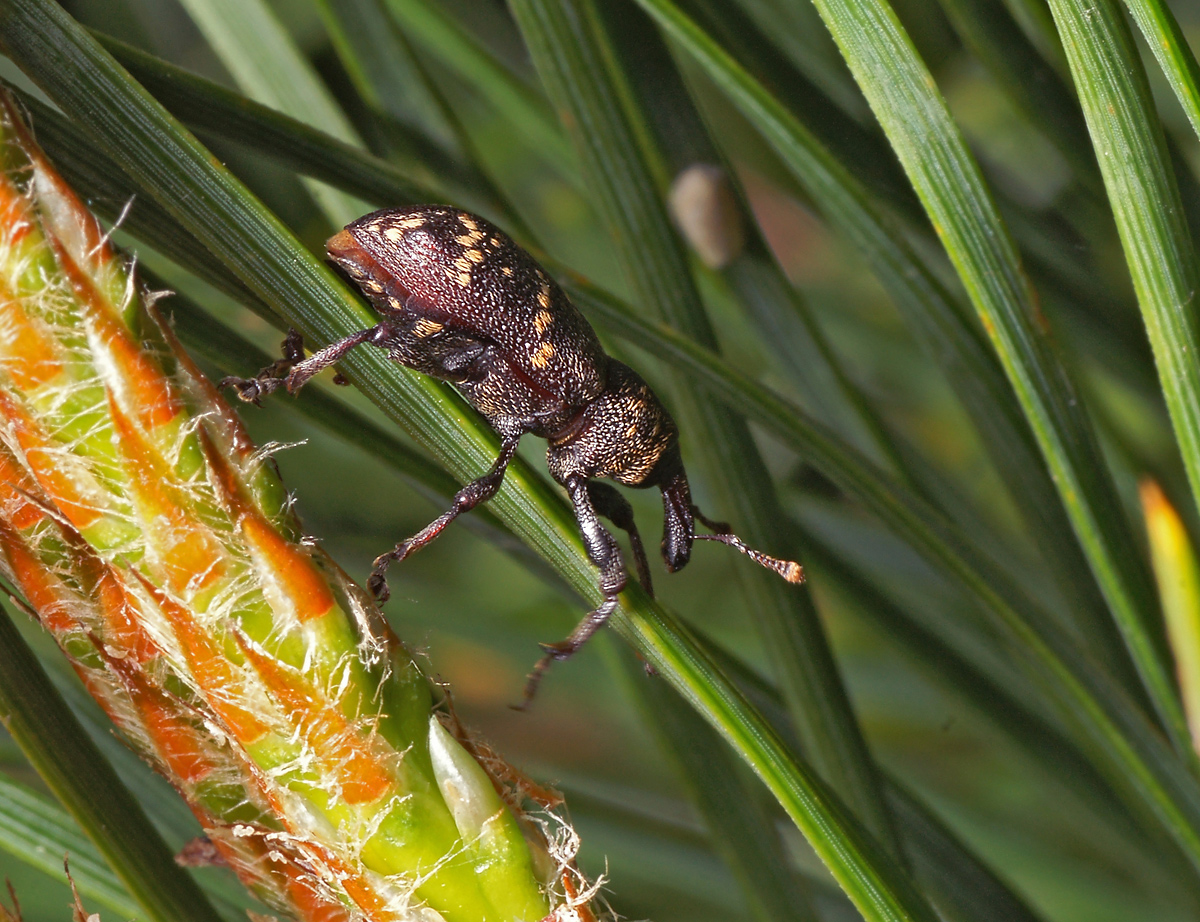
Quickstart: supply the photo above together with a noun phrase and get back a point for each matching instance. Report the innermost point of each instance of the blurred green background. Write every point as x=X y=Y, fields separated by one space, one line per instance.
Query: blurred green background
x=476 y=614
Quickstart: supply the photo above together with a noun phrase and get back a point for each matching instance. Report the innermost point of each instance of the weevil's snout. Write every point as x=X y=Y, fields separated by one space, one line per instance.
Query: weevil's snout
x=341 y=244
x=678 y=524
x=352 y=259
x=349 y=256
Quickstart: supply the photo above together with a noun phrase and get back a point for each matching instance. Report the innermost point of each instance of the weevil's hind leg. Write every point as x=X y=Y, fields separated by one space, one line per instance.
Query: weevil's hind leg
x=788 y=569
x=604 y=553
x=565 y=649
x=466 y=499
x=293 y=370
x=615 y=507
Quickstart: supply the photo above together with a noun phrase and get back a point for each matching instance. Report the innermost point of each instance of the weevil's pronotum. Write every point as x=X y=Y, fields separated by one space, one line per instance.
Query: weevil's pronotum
x=461 y=302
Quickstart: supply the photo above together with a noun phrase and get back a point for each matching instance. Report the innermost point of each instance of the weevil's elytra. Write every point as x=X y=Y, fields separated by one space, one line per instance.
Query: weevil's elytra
x=461 y=302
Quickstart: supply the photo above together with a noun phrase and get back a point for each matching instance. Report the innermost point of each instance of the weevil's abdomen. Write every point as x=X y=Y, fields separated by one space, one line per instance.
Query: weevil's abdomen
x=457 y=269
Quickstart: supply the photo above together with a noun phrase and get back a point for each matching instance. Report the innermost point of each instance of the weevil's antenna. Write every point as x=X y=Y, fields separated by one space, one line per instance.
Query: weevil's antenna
x=788 y=569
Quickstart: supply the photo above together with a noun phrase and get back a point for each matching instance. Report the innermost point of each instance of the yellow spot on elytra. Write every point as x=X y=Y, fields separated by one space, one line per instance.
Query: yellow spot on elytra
x=631 y=432
x=462 y=264
x=412 y=222
x=542 y=356
x=507 y=270
x=427 y=327
x=544 y=297
x=394 y=234
x=476 y=256
x=464 y=279
x=541 y=321
x=468 y=222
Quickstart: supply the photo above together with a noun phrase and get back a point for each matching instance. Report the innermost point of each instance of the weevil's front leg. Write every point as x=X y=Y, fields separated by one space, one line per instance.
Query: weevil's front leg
x=615 y=507
x=470 y=496
x=293 y=370
x=604 y=553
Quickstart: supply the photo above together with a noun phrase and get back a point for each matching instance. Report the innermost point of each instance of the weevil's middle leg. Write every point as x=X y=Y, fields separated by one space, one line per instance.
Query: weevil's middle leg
x=604 y=553
x=294 y=370
x=470 y=496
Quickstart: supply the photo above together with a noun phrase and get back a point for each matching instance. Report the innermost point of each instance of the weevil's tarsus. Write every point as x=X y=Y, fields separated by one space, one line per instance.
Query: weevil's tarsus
x=603 y=551
x=565 y=649
x=294 y=370
x=251 y=390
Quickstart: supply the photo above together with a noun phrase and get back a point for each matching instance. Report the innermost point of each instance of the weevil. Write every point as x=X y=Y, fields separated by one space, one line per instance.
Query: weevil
x=460 y=301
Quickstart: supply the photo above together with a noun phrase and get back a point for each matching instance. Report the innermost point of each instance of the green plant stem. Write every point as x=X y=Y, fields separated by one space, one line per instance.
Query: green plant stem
x=253 y=44
x=36 y=830
x=1170 y=47
x=1142 y=189
x=931 y=149
x=995 y=38
x=742 y=829
x=625 y=172
x=430 y=26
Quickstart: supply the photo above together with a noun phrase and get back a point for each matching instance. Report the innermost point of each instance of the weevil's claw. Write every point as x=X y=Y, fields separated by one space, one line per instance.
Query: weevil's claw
x=560 y=651
x=252 y=390
x=248 y=389
x=279 y=372
x=648 y=667
x=377 y=582
x=378 y=587
x=554 y=653
x=293 y=347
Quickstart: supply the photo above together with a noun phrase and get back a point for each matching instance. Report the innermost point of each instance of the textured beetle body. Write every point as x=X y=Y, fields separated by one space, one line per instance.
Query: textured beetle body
x=624 y=434
x=461 y=302
x=449 y=277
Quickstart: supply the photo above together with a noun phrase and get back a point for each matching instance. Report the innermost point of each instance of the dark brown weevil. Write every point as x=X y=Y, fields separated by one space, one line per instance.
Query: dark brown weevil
x=463 y=303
